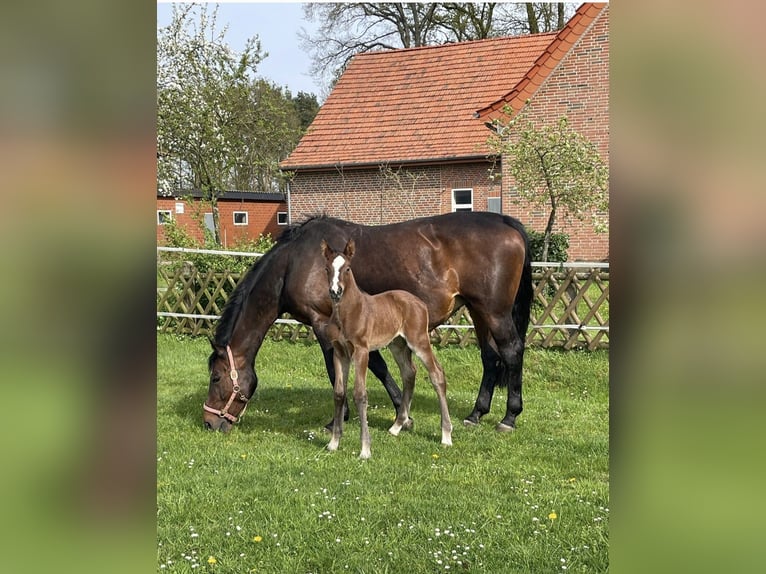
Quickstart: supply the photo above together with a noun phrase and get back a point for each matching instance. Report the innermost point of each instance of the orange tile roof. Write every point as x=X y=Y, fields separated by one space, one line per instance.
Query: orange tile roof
x=419 y=104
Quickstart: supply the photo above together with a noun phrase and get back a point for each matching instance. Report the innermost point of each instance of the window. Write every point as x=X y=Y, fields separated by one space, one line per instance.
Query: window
x=164 y=216
x=240 y=218
x=462 y=199
x=494 y=205
x=281 y=218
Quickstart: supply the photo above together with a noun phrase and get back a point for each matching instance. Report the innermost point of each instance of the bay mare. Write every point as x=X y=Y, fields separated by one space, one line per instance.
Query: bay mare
x=360 y=323
x=477 y=259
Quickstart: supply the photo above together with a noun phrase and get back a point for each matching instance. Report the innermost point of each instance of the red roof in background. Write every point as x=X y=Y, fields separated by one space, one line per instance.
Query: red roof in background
x=420 y=104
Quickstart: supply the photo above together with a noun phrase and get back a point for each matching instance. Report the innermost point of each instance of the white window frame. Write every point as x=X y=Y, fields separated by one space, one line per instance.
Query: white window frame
x=285 y=215
x=234 y=217
x=462 y=206
x=168 y=213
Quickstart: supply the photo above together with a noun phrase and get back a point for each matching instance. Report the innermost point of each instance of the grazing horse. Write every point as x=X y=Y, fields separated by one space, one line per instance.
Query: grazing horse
x=477 y=259
x=362 y=322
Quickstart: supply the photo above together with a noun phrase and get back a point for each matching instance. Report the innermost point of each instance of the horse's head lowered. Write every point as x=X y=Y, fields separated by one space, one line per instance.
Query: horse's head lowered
x=338 y=267
x=231 y=387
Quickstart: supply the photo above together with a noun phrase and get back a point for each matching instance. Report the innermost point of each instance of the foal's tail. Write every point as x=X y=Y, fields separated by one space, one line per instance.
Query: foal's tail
x=522 y=304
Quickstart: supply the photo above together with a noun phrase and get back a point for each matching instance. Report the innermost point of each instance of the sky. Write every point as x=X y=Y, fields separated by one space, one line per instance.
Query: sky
x=276 y=24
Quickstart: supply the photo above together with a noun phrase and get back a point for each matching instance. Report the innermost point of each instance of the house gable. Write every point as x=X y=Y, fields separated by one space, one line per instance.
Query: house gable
x=583 y=19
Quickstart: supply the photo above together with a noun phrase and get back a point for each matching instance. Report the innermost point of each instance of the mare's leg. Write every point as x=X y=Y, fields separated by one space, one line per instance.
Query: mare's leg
x=403 y=357
x=422 y=348
x=492 y=367
x=511 y=349
x=379 y=368
x=361 y=359
x=341 y=367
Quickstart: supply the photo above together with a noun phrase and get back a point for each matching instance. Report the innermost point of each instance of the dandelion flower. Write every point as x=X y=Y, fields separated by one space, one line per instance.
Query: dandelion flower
x=211 y=560
x=257 y=538
x=243 y=456
x=553 y=516
x=434 y=456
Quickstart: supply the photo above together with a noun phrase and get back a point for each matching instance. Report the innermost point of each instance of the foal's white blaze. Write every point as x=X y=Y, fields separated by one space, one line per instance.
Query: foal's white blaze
x=336 y=265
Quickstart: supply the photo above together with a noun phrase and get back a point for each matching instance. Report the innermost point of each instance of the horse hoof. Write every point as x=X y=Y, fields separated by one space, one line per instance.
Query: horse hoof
x=469 y=423
x=502 y=427
x=409 y=424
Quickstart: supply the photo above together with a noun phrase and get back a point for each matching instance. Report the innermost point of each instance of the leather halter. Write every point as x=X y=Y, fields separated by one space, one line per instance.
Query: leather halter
x=224 y=412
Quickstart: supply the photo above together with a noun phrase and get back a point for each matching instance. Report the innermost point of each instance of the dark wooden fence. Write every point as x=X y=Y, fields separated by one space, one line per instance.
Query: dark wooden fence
x=570 y=307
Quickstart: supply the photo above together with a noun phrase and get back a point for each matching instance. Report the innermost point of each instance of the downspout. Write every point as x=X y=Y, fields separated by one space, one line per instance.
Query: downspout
x=289 y=208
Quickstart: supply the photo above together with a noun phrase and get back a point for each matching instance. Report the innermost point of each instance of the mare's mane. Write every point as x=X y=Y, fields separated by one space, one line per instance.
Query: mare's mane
x=231 y=311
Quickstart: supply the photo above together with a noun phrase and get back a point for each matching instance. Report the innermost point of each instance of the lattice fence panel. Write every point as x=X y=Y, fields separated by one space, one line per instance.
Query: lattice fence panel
x=570 y=308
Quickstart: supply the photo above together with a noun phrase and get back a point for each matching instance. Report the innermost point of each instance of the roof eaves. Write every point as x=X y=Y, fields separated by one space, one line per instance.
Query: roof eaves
x=378 y=163
x=234 y=194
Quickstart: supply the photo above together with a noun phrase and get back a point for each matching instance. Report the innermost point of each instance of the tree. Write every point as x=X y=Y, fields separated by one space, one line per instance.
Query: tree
x=219 y=127
x=307 y=107
x=468 y=21
x=534 y=17
x=347 y=29
x=554 y=166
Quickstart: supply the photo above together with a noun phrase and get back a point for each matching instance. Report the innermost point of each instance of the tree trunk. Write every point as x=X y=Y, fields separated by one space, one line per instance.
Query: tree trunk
x=534 y=27
x=560 y=16
x=216 y=219
x=552 y=215
x=548 y=231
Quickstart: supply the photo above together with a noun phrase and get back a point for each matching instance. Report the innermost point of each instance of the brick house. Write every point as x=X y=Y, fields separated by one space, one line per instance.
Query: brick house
x=242 y=214
x=403 y=133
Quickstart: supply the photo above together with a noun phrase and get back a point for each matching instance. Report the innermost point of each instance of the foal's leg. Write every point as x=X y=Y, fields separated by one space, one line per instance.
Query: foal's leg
x=328 y=354
x=403 y=357
x=422 y=348
x=361 y=358
x=341 y=365
x=376 y=363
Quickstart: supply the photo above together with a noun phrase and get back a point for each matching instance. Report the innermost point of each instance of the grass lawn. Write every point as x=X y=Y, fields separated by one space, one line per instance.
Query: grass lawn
x=268 y=497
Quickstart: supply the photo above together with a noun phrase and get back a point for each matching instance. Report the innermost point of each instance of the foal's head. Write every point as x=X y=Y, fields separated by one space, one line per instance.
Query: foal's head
x=338 y=267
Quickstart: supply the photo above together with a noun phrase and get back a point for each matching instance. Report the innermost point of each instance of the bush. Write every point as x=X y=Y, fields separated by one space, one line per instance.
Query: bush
x=177 y=236
x=557 y=248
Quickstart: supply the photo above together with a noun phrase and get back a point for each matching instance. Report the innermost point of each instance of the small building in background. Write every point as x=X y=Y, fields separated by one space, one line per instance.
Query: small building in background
x=242 y=215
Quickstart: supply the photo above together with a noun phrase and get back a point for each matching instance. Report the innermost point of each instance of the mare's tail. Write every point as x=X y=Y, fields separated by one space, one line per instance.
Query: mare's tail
x=522 y=304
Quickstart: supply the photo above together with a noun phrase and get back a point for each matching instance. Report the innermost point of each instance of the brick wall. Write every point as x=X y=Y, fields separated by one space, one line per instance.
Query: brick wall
x=376 y=197
x=578 y=89
x=261 y=218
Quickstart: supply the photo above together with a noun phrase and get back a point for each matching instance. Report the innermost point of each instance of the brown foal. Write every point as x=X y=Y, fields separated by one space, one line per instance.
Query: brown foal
x=361 y=323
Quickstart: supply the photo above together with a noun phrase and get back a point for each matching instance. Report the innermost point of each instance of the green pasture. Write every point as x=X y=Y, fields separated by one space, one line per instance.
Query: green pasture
x=268 y=497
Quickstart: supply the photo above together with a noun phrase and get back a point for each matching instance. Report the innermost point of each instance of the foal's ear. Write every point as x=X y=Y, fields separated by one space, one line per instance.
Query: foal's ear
x=350 y=248
x=326 y=251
